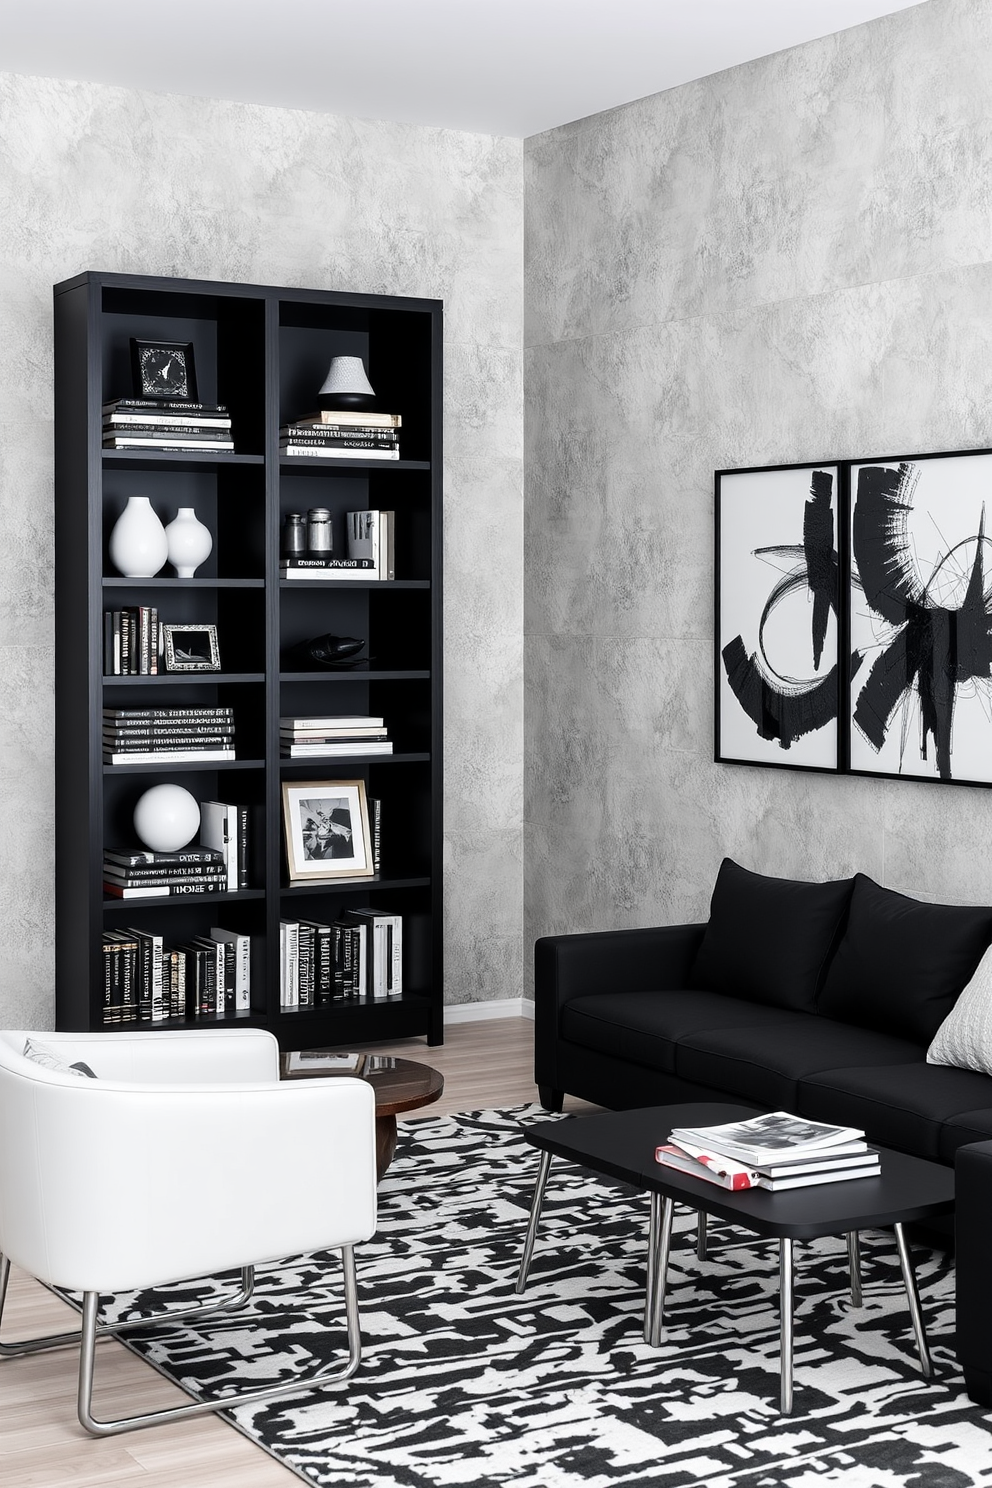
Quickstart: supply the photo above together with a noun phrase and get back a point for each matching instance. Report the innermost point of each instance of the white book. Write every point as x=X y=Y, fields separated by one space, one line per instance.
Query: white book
x=167 y=420
x=359 y=746
x=336 y=720
x=289 y=940
x=771 y=1137
x=329 y=575
x=219 y=830
x=165 y=440
x=242 y=965
x=311 y=451
x=173 y=756
x=807 y=1180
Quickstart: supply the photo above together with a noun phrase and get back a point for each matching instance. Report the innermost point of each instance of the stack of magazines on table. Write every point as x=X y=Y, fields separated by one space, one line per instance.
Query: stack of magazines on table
x=776 y=1152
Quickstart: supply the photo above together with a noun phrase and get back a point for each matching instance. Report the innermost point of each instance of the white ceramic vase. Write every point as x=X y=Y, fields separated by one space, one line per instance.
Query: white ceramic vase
x=189 y=542
x=166 y=818
x=138 y=546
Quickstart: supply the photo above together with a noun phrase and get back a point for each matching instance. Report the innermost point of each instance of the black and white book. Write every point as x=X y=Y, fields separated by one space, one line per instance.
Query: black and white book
x=290 y=566
x=144 y=857
x=188 y=887
x=334 y=748
x=372 y=534
x=330 y=721
x=219 y=830
x=330 y=732
x=375 y=830
x=165 y=405
x=163 y=873
x=773 y=1137
x=142 y=421
x=151 y=1001
x=166 y=715
x=239 y=947
x=172 y=443
x=298 y=451
x=176 y=756
x=384 y=938
x=323 y=969
x=289 y=965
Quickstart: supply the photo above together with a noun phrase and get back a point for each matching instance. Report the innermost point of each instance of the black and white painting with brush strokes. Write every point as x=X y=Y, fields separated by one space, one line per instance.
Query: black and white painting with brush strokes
x=777 y=611
x=921 y=617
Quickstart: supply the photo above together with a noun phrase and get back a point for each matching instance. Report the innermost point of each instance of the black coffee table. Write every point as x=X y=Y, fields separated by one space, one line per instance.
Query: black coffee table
x=621 y=1144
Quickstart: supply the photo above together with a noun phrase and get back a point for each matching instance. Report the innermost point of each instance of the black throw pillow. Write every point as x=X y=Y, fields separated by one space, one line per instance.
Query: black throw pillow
x=769 y=939
x=901 y=964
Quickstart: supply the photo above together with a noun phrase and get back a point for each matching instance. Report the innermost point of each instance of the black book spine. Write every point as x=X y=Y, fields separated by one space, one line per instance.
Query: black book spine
x=167 y=715
x=243 y=847
x=165 y=405
x=375 y=829
x=146 y=858
x=108 y=643
x=125 y=643
x=166 y=873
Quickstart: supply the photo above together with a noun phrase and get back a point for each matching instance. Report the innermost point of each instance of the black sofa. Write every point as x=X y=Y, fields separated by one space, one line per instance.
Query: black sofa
x=820 y=999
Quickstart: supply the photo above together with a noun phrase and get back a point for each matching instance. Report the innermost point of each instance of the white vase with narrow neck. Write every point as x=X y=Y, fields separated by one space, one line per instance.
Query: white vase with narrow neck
x=189 y=542
x=138 y=546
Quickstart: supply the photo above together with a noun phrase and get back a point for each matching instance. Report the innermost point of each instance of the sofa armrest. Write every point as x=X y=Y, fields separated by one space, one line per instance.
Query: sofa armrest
x=973 y=1275
x=567 y=966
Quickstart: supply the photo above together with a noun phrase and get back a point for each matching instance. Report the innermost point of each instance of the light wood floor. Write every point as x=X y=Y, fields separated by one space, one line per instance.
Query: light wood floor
x=41 y=1442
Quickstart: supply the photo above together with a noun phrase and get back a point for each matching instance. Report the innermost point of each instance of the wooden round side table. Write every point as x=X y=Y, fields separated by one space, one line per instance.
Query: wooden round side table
x=399 y=1085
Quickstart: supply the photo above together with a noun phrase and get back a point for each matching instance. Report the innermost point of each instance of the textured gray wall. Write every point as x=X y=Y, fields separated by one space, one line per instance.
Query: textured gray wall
x=104 y=178
x=788 y=261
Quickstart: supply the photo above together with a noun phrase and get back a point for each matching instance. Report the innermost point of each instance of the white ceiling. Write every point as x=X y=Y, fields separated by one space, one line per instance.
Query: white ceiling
x=511 y=67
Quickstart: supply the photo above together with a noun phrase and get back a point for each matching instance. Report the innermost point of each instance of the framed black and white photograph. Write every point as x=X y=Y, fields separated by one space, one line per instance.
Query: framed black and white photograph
x=190 y=648
x=163 y=369
x=327 y=830
x=921 y=617
x=777 y=595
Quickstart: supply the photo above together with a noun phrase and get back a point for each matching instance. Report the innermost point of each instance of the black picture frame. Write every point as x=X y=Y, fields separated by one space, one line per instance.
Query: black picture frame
x=163 y=370
x=190 y=648
x=778 y=629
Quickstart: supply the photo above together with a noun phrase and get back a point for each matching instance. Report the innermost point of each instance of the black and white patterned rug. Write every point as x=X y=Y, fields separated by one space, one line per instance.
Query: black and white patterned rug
x=465 y=1385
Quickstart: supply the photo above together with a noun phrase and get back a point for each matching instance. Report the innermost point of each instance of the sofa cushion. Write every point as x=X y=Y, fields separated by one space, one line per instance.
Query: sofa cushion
x=903 y=1105
x=765 y=1064
x=964 y=1039
x=769 y=940
x=901 y=964
x=644 y=1027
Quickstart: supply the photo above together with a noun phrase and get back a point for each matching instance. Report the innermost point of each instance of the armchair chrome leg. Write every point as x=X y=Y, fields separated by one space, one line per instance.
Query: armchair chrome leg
x=318 y=1380
x=106 y=1330
x=535 y=1215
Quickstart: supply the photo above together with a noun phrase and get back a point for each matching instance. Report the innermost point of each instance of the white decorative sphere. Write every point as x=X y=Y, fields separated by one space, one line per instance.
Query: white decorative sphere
x=166 y=818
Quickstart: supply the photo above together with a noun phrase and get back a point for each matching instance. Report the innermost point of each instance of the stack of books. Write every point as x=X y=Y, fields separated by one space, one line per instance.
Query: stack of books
x=358 y=956
x=776 y=1152
x=151 y=424
x=133 y=873
x=371 y=543
x=148 y=736
x=130 y=642
x=311 y=738
x=148 y=982
x=343 y=435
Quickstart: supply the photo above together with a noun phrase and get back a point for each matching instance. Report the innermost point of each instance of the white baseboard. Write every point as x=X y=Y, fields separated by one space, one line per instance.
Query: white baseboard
x=500 y=1007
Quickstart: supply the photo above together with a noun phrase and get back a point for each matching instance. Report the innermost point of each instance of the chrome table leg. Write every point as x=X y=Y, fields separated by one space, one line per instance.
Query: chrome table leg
x=535 y=1215
x=785 y=1276
x=913 y=1298
x=661 y=1270
x=854 y=1265
x=654 y=1234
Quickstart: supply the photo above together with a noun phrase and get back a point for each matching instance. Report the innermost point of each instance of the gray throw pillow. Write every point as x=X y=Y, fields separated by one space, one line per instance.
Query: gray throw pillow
x=964 y=1039
x=50 y=1060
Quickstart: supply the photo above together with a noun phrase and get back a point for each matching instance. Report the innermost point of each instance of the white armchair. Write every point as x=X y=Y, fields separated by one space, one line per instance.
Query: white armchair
x=185 y=1156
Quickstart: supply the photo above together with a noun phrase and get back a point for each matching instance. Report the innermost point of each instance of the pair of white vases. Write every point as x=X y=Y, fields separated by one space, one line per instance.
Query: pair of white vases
x=140 y=545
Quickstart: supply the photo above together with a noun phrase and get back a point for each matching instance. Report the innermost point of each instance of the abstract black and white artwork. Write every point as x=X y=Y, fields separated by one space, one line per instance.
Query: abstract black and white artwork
x=921 y=618
x=778 y=696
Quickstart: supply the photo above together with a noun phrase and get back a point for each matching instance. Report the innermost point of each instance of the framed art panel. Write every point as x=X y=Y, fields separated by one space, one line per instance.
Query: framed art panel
x=777 y=594
x=327 y=830
x=921 y=617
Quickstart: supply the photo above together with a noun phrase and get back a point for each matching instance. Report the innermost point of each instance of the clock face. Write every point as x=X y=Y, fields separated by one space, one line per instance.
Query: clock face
x=164 y=372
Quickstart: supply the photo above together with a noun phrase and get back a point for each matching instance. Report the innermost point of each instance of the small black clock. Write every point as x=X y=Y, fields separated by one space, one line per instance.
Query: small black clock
x=163 y=369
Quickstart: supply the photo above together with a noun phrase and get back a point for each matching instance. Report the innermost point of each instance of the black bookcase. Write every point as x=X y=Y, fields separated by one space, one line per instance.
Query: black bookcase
x=263 y=352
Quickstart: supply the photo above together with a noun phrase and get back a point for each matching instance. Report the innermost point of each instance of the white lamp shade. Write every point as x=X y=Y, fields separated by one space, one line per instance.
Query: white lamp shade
x=346 y=376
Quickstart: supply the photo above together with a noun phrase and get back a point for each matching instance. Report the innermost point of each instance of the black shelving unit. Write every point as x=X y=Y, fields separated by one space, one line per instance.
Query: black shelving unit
x=263 y=351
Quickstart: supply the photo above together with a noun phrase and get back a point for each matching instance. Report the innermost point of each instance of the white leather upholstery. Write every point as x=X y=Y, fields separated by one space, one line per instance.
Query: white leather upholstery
x=184 y=1157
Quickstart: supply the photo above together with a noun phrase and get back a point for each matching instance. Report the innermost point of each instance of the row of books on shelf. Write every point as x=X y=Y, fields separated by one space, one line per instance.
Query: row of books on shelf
x=776 y=1152
x=145 y=736
x=370 y=541
x=343 y=434
x=338 y=734
x=359 y=955
x=146 y=981
x=131 y=642
x=217 y=864
x=181 y=426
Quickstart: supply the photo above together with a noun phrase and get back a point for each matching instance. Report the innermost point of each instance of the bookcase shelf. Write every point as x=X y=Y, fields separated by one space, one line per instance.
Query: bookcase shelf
x=263 y=351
